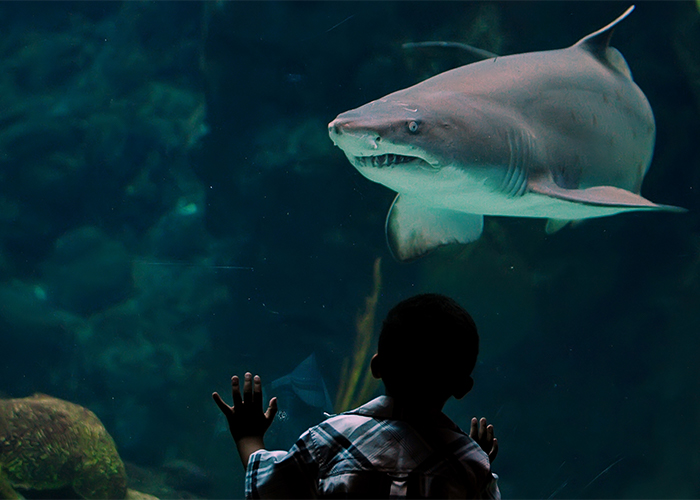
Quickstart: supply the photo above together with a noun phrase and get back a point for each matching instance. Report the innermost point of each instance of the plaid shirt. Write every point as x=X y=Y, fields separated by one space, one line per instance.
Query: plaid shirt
x=366 y=453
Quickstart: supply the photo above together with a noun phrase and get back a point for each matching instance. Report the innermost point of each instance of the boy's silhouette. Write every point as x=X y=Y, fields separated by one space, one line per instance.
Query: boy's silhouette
x=399 y=445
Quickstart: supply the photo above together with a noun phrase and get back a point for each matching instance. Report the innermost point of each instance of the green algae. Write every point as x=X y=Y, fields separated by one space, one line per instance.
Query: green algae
x=47 y=443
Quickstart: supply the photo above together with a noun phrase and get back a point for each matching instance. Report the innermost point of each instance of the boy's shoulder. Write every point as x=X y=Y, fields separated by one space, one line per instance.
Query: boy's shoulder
x=369 y=437
x=378 y=417
x=354 y=425
x=378 y=409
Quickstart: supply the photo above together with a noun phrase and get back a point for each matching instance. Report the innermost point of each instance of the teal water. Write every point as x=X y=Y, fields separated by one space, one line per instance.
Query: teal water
x=173 y=212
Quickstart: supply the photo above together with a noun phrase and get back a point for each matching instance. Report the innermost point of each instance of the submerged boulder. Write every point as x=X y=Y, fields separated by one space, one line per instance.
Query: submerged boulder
x=47 y=443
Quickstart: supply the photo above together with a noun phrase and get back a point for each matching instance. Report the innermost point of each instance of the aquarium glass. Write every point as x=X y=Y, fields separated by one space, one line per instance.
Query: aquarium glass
x=174 y=212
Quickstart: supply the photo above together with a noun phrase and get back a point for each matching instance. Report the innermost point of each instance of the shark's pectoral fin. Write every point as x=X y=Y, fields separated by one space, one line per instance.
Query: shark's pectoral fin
x=414 y=229
x=608 y=196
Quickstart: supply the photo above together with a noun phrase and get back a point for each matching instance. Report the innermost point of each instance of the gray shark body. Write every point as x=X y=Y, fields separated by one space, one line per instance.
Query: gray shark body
x=562 y=135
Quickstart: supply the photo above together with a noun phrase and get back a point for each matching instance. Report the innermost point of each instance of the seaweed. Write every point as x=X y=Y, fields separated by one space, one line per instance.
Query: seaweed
x=356 y=380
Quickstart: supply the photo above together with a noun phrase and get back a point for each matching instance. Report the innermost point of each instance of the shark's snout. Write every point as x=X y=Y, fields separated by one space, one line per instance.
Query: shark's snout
x=368 y=142
x=334 y=128
x=342 y=125
x=345 y=134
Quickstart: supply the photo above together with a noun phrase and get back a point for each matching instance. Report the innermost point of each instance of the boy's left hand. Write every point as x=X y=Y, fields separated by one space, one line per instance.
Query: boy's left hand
x=246 y=418
x=483 y=434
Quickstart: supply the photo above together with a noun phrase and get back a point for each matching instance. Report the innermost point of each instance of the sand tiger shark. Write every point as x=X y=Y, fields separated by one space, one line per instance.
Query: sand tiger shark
x=561 y=134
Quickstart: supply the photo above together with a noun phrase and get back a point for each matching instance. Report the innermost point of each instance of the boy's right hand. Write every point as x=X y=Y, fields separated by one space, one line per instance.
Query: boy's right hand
x=484 y=437
x=246 y=417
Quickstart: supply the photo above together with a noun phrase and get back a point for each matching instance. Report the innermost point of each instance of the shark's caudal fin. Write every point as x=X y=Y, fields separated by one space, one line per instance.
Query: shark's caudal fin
x=598 y=44
x=414 y=229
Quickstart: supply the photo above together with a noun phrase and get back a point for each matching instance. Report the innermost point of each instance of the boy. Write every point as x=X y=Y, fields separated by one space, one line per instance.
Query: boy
x=399 y=445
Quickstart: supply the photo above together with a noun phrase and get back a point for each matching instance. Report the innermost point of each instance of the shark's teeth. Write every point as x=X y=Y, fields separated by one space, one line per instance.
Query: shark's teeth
x=387 y=160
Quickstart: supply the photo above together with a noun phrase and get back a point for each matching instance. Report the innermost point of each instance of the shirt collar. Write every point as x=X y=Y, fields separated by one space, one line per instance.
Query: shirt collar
x=383 y=407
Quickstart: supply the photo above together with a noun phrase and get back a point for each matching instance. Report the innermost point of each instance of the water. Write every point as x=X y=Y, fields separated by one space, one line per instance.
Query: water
x=172 y=212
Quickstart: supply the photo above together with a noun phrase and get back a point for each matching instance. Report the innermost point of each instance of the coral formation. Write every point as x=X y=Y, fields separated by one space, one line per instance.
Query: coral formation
x=48 y=443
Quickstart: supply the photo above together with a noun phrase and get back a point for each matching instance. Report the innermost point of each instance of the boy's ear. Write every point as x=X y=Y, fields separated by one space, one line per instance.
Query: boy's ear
x=463 y=388
x=374 y=366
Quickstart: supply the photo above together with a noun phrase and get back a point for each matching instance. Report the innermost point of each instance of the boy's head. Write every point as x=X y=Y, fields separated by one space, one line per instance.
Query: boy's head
x=427 y=349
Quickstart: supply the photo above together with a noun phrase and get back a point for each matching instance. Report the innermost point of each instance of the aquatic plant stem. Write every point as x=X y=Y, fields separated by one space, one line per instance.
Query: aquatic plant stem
x=352 y=392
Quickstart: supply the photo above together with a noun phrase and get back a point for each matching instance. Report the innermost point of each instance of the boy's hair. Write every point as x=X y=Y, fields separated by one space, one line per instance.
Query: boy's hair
x=427 y=333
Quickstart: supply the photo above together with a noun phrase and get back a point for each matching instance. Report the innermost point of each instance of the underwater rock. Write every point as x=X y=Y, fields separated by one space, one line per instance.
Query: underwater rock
x=138 y=495
x=47 y=443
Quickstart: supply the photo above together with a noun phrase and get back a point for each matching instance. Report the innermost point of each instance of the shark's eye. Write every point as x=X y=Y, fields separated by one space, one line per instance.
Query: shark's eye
x=413 y=127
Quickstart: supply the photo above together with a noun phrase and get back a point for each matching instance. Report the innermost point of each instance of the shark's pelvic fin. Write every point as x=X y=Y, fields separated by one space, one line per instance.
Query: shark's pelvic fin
x=413 y=229
x=554 y=225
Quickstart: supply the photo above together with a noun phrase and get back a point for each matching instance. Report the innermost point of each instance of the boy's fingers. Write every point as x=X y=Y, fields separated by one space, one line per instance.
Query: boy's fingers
x=248 y=388
x=271 y=409
x=489 y=432
x=473 y=430
x=494 y=450
x=236 y=391
x=257 y=392
x=220 y=403
x=482 y=428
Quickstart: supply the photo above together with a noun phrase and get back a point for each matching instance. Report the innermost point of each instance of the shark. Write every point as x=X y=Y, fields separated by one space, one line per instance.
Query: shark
x=563 y=135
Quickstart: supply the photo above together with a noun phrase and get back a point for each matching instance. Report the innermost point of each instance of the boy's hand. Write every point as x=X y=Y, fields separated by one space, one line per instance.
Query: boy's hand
x=483 y=435
x=245 y=417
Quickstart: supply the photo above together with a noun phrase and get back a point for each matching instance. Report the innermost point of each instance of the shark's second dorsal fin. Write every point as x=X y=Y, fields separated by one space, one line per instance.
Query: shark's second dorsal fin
x=598 y=44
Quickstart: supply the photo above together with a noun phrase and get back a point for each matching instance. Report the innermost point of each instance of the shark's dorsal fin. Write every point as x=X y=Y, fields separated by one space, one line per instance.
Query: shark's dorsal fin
x=599 y=40
x=598 y=44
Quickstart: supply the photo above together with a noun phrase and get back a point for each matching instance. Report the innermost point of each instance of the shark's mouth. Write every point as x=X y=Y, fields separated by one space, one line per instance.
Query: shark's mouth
x=387 y=160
